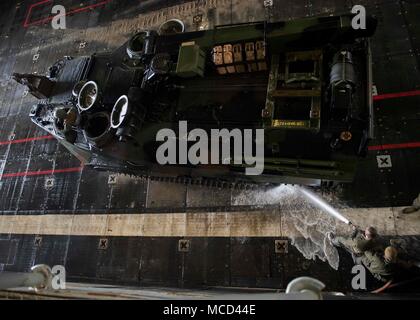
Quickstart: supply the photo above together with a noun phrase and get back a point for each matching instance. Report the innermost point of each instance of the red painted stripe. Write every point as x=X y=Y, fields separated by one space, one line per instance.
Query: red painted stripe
x=396 y=95
x=408 y=145
x=41 y=173
x=26 y=23
x=2 y=143
x=41 y=21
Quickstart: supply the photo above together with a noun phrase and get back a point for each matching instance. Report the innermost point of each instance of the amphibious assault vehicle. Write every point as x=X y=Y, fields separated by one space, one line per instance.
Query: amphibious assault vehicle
x=307 y=83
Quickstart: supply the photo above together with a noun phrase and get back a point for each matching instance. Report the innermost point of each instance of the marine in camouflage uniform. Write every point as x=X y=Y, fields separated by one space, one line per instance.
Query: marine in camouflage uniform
x=69 y=118
x=359 y=242
x=382 y=265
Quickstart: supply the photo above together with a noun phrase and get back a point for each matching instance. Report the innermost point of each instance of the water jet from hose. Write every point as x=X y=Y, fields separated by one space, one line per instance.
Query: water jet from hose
x=321 y=204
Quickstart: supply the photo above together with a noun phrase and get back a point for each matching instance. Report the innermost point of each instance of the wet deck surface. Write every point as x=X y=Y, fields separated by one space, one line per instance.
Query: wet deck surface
x=40 y=177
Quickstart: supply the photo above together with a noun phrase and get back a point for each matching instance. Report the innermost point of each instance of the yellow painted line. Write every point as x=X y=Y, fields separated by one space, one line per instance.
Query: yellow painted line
x=253 y=224
x=270 y=223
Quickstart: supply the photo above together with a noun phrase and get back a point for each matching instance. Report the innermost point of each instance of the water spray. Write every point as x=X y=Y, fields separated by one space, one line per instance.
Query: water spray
x=301 y=222
x=321 y=204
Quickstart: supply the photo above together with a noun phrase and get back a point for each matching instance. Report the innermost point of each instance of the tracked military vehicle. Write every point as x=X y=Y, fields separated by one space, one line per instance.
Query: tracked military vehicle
x=307 y=83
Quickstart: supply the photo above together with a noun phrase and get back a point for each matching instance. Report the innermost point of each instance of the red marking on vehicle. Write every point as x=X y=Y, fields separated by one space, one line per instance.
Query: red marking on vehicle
x=27 y=22
x=41 y=173
x=396 y=95
x=2 y=143
x=409 y=145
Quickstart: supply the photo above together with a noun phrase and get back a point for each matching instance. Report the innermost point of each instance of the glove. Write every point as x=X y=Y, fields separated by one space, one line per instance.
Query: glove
x=330 y=236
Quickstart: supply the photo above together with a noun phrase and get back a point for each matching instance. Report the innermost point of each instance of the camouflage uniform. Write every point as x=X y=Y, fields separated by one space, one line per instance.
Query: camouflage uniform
x=69 y=119
x=378 y=266
x=357 y=244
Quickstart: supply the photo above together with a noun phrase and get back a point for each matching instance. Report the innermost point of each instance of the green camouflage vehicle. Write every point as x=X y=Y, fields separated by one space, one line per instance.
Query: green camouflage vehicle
x=307 y=83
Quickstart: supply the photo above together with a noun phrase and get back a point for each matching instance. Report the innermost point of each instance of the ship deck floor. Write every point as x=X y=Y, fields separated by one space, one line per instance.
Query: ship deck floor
x=40 y=179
